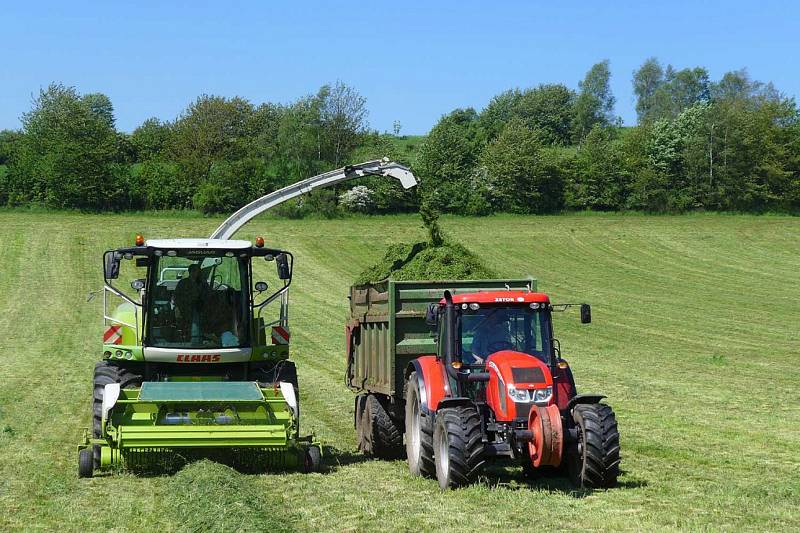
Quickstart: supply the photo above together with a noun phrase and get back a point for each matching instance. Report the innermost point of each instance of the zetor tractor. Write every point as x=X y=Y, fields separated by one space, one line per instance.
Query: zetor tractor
x=498 y=387
x=188 y=368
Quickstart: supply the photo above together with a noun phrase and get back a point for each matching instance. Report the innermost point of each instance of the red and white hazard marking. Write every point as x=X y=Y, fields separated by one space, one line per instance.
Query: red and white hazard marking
x=113 y=335
x=280 y=335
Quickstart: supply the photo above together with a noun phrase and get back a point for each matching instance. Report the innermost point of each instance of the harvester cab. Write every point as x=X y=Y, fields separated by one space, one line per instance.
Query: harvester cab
x=499 y=388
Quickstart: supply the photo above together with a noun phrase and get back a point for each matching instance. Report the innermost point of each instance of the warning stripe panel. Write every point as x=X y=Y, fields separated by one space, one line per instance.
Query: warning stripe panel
x=280 y=335
x=113 y=335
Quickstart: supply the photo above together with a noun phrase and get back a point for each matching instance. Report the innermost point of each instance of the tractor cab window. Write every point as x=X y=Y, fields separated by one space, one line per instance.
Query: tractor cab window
x=197 y=302
x=491 y=329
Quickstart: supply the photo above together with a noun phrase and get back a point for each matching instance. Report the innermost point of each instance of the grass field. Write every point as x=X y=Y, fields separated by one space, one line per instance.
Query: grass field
x=695 y=341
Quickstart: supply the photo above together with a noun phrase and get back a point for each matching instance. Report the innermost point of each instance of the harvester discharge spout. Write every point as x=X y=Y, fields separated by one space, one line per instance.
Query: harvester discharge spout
x=382 y=167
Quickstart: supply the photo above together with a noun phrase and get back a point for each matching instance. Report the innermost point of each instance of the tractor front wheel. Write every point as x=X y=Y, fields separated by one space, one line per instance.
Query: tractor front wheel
x=458 y=446
x=594 y=458
x=105 y=373
x=419 y=432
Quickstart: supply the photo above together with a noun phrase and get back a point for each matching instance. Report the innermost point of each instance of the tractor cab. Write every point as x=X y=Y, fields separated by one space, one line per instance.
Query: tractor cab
x=498 y=348
x=195 y=301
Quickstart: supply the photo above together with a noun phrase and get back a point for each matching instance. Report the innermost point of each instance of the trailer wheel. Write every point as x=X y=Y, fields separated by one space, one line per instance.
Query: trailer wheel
x=313 y=460
x=379 y=436
x=85 y=463
x=105 y=373
x=458 y=446
x=594 y=459
x=419 y=432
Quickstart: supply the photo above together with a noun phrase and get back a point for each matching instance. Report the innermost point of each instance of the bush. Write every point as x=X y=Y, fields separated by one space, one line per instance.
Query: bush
x=359 y=199
x=162 y=185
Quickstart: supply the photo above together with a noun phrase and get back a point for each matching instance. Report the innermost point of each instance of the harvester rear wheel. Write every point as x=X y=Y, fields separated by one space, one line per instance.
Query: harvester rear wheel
x=594 y=459
x=380 y=437
x=85 y=463
x=105 y=373
x=419 y=432
x=458 y=446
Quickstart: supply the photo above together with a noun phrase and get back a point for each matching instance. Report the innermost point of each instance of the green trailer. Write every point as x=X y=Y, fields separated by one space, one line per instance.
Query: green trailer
x=386 y=330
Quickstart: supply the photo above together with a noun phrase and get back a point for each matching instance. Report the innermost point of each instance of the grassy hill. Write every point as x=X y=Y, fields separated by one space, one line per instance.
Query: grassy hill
x=695 y=341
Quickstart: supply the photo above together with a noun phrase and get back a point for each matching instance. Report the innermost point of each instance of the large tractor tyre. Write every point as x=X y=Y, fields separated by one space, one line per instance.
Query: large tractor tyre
x=419 y=433
x=594 y=459
x=458 y=446
x=380 y=437
x=105 y=373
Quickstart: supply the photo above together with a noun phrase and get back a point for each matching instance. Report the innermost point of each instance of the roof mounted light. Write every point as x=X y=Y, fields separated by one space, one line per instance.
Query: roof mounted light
x=139 y=240
x=259 y=242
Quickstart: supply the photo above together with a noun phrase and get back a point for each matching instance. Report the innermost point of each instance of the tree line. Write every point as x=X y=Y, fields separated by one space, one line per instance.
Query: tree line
x=730 y=144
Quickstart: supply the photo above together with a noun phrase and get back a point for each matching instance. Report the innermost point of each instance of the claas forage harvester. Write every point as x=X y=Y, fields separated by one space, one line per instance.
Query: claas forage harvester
x=470 y=372
x=196 y=353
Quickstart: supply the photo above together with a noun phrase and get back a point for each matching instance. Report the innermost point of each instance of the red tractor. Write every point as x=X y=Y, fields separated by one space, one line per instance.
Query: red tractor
x=498 y=388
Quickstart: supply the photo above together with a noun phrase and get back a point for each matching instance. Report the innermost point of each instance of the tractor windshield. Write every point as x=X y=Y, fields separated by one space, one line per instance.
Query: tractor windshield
x=197 y=302
x=489 y=329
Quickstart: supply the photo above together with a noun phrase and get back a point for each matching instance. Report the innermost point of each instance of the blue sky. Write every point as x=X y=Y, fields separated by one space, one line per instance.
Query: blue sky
x=413 y=61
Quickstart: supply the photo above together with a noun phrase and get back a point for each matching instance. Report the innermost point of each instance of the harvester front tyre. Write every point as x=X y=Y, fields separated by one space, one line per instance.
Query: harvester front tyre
x=85 y=463
x=458 y=446
x=594 y=460
x=105 y=373
x=380 y=436
x=313 y=460
x=419 y=432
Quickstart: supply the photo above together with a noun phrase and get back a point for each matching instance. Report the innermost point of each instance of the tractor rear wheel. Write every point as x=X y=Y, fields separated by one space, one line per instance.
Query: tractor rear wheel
x=458 y=446
x=419 y=432
x=105 y=373
x=594 y=460
x=380 y=437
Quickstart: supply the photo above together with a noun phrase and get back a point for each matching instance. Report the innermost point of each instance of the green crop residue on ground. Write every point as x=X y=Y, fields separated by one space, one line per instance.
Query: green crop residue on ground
x=695 y=341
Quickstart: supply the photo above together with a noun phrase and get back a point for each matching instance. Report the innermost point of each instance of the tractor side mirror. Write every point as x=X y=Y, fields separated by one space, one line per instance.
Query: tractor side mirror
x=586 y=314
x=111 y=270
x=261 y=286
x=282 y=262
x=431 y=315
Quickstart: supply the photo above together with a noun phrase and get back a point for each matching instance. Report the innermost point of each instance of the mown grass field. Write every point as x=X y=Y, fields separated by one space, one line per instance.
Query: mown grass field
x=695 y=341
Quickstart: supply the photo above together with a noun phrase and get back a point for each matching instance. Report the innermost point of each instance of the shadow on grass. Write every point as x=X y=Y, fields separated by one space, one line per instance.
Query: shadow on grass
x=243 y=461
x=553 y=482
x=333 y=458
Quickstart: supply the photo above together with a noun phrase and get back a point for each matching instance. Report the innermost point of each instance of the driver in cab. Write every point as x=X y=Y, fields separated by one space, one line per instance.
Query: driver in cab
x=491 y=335
x=190 y=293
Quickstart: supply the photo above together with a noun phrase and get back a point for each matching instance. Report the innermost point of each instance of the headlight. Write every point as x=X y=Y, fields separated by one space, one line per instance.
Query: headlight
x=519 y=395
x=542 y=396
